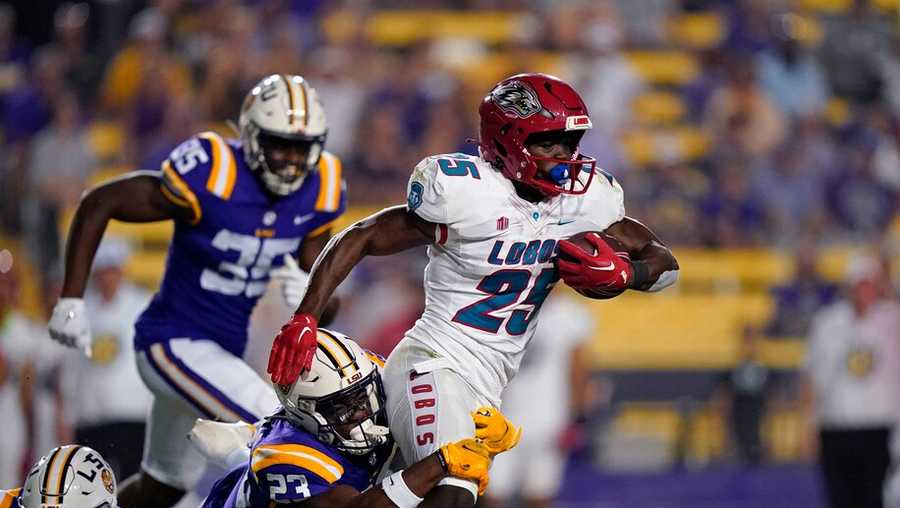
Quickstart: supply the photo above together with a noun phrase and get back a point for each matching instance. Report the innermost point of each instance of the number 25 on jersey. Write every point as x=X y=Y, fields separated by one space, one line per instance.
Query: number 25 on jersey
x=505 y=288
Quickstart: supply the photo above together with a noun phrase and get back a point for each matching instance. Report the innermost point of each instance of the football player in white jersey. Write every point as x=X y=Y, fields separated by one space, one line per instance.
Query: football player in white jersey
x=493 y=225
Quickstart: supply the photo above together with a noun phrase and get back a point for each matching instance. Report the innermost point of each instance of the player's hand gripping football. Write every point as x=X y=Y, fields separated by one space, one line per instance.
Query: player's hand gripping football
x=293 y=350
x=69 y=324
x=468 y=459
x=494 y=431
x=604 y=269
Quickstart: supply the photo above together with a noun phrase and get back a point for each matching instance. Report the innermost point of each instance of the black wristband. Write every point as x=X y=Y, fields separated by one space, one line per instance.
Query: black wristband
x=443 y=462
x=641 y=274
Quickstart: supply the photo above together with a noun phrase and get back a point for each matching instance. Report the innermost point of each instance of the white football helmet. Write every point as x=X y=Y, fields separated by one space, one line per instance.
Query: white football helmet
x=70 y=476
x=282 y=108
x=341 y=399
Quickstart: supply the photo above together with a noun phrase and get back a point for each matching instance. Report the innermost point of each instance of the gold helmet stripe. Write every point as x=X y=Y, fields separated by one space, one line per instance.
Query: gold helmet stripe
x=290 y=90
x=344 y=357
x=64 y=470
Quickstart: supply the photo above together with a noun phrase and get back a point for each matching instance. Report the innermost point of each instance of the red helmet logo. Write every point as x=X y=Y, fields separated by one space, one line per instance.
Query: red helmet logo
x=527 y=104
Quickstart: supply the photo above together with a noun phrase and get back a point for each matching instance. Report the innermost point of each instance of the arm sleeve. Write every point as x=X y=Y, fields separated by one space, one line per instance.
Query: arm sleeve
x=293 y=472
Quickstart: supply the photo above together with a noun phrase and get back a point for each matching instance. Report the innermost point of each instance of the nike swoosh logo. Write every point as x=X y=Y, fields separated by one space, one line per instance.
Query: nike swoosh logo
x=304 y=330
x=303 y=218
x=624 y=277
x=610 y=266
x=563 y=222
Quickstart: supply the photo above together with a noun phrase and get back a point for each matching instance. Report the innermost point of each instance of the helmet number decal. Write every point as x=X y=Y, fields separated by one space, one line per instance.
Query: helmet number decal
x=269 y=91
x=98 y=466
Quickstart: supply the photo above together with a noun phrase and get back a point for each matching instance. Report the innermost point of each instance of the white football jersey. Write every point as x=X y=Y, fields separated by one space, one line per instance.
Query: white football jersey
x=491 y=266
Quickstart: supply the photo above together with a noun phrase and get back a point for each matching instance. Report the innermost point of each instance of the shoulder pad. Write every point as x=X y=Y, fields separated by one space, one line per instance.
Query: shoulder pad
x=203 y=165
x=440 y=185
x=605 y=199
x=332 y=189
x=9 y=498
x=317 y=465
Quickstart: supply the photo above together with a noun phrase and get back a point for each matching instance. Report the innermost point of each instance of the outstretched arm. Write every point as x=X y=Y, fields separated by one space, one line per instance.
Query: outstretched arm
x=655 y=267
x=135 y=197
x=389 y=231
x=469 y=459
x=310 y=250
x=419 y=478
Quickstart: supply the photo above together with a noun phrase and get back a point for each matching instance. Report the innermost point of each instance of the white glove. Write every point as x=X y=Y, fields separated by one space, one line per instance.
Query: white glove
x=292 y=281
x=224 y=444
x=69 y=324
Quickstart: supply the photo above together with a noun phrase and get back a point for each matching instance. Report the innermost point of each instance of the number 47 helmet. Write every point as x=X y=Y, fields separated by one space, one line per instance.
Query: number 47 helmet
x=70 y=476
x=341 y=399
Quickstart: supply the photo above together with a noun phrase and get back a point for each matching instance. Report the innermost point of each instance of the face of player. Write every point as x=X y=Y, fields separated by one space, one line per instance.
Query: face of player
x=285 y=157
x=350 y=411
x=559 y=145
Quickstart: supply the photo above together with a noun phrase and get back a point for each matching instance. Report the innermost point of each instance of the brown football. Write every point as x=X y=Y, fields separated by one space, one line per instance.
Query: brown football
x=580 y=240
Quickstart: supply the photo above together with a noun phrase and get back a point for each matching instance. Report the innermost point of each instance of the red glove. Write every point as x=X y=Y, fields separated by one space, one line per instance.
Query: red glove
x=293 y=349
x=606 y=269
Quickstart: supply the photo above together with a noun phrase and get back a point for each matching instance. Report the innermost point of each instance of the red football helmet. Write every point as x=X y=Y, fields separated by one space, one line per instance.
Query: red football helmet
x=527 y=104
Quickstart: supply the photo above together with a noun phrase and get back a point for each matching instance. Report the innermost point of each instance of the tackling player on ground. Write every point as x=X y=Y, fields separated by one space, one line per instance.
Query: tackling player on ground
x=243 y=210
x=493 y=224
x=329 y=444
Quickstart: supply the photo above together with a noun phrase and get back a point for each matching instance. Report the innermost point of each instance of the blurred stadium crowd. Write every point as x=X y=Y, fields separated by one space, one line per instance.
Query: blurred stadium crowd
x=772 y=126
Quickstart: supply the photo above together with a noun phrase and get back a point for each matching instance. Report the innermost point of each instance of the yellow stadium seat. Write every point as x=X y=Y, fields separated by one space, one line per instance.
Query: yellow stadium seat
x=406 y=27
x=826 y=6
x=658 y=108
x=654 y=419
x=146 y=268
x=679 y=143
x=837 y=111
x=783 y=433
x=732 y=269
x=106 y=139
x=664 y=67
x=483 y=73
x=696 y=31
x=750 y=270
x=889 y=6
x=842 y=6
x=29 y=282
x=783 y=353
x=692 y=141
x=673 y=331
x=707 y=435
